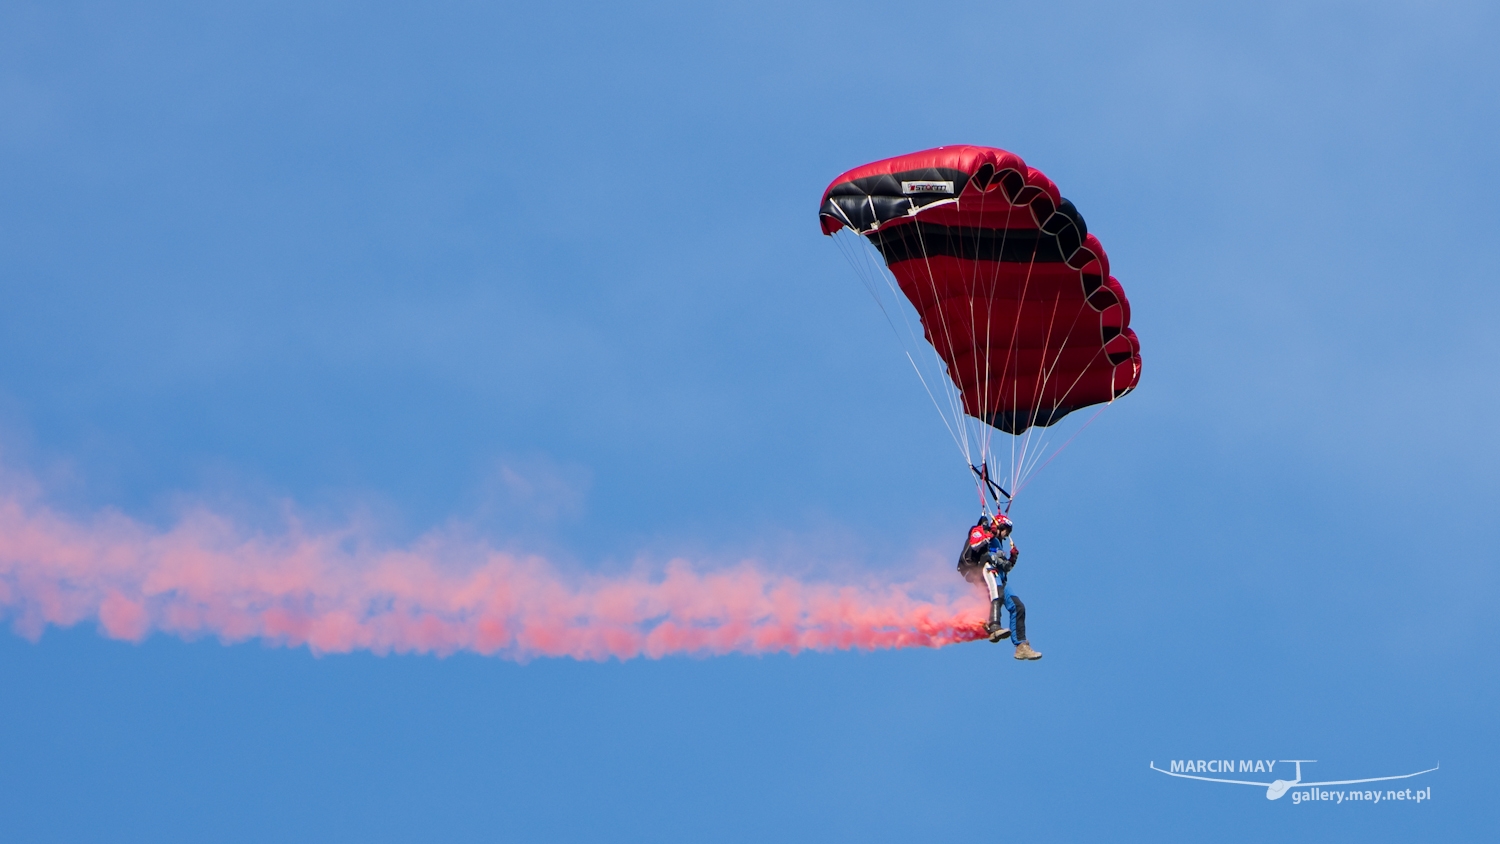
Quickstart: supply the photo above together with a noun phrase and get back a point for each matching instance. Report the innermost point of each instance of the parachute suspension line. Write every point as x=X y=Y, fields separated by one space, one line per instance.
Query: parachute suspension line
x=955 y=425
x=1069 y=440
x=994 y=285
x=987 y=431
x=979 y=289
x=867 y=271
x=947 y=332
x=1044 y=378
x=863 y=267
x=1066 y=393
x=1012 y=356
x=1047 y=377
x=955 y=396
x=958 y=439
x=1042 y=368
x=1034 y=443
x=989 y=328
x=951 y=393
x=972 y=436
x=980 y=431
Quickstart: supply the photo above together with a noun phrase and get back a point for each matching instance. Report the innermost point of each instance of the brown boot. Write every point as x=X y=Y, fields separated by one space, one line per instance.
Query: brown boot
x=1024 y=651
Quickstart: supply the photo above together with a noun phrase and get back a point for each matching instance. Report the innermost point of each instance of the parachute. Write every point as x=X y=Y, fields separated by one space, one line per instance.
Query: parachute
x=1021 y=322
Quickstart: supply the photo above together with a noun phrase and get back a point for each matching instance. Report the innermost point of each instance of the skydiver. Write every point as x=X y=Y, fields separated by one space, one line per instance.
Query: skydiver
x=985 y=559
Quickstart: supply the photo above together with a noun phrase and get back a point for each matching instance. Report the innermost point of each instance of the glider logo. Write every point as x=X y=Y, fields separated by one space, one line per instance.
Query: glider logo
x=1301 y=791
x=926 y=187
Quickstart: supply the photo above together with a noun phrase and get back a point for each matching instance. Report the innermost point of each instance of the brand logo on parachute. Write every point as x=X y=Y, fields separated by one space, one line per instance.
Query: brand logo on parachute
x=926 y=187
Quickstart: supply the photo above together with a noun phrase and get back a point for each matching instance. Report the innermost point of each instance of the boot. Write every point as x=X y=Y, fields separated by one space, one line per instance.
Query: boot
x=1024 y=651
x=995 y=628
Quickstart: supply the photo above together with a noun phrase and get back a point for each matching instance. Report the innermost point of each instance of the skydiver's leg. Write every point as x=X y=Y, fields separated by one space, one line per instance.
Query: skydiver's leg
x=1017 y=612
x=996 y=629
x=991 y=583
x=1018 y=621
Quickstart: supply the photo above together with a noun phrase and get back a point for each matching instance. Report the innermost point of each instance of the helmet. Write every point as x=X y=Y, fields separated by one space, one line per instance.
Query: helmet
x=984 y=520
x=1003 y=522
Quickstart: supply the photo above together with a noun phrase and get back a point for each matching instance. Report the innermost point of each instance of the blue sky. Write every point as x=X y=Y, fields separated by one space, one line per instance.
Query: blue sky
x=552 y=278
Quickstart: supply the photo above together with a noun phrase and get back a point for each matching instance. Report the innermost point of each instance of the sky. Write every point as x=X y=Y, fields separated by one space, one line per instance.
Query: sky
x=361 y=300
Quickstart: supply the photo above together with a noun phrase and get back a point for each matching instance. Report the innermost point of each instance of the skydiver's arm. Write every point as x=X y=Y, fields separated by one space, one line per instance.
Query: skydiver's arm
x=1009 y=561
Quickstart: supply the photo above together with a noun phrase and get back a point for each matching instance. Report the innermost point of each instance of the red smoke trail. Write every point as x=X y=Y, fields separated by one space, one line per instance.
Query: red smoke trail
x=204 y=576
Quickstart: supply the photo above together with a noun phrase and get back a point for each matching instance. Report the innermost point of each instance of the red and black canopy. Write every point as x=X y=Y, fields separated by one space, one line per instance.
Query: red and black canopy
x=1014 y=294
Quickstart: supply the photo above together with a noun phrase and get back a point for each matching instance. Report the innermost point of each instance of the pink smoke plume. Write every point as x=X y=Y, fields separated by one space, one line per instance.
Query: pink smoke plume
x=206 y=577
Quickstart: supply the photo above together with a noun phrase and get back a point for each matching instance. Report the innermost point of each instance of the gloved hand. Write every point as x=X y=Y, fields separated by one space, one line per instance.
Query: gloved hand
x=1014 y=553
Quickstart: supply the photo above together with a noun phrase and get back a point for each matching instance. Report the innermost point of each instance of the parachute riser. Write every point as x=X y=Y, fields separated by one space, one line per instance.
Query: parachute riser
x=988 y=485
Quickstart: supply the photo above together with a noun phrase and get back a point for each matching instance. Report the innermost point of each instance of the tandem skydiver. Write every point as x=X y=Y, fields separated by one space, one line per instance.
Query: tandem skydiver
x=985 y=559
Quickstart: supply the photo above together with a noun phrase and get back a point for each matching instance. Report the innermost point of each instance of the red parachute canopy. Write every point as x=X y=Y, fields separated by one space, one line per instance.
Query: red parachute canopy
x=1014 y=294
